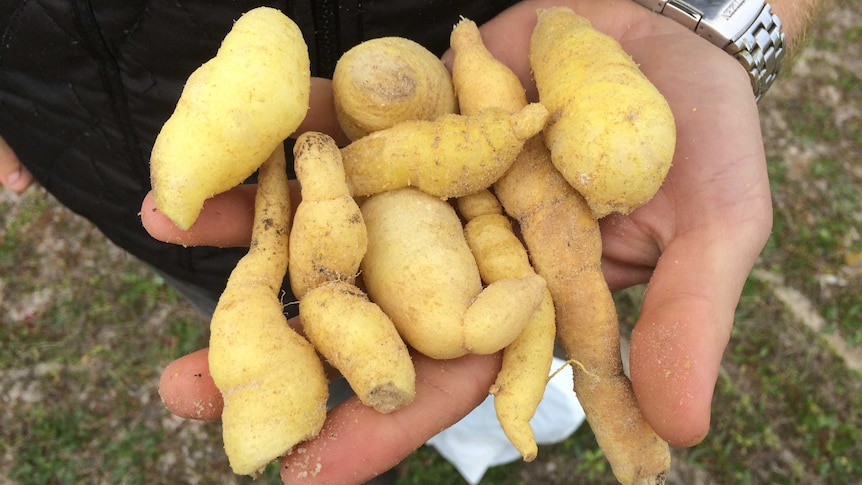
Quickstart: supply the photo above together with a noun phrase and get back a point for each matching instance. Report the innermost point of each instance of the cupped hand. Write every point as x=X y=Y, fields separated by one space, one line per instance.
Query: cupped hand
x=696 y=241
x=14 y=176
x=695 y=244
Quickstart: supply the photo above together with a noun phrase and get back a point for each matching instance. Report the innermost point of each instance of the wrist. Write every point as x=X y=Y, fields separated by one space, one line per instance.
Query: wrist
x=748 y=30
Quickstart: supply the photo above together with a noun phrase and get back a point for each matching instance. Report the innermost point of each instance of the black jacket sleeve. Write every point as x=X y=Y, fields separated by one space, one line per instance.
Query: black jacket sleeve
x=85 y=87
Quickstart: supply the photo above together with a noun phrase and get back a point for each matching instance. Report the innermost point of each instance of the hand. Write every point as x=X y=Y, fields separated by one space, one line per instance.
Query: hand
x=695 y=242
x=13 y=175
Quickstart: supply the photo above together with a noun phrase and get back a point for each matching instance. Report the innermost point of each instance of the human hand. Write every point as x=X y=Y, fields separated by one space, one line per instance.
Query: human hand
x=695 y=242
x=13 y=175
x=697 y=239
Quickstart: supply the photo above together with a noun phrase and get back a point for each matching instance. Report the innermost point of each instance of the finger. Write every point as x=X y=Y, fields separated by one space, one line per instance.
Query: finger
x=321 y=112
x=13 y=175
x=445 y=392
x=187 y=388
x=224 y=221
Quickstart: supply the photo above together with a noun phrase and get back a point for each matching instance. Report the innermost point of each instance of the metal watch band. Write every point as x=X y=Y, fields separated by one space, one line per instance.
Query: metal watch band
x=746 y=29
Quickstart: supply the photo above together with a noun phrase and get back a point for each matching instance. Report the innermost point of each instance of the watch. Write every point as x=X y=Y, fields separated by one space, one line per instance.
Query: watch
x=746 y=29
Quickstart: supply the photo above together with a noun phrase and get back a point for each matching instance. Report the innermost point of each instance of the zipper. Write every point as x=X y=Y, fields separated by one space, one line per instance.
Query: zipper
x=337 y=28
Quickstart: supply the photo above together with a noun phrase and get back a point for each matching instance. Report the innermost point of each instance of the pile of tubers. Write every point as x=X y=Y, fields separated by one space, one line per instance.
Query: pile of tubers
x=424 y=204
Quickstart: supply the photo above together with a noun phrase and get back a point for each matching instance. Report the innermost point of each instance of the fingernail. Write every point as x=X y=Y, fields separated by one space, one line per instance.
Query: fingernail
x=13 y=177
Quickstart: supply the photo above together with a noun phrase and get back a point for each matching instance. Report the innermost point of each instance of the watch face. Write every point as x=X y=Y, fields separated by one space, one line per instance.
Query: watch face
x=725 y=20
x=713 y=9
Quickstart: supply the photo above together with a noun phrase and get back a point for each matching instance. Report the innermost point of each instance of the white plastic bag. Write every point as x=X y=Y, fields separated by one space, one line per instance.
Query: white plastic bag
x=477 y=442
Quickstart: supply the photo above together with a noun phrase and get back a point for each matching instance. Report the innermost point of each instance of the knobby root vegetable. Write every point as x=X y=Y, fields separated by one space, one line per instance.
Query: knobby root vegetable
x=359 y=340
x=564 y=245
x=327 y=243
x=232 y=113
x=497 y=86
x=271 y=378
x=421 y=272
x=523 y=374
x=451 y=156
x=328 y=238
x=612 y=133
x=383 y=81
x=522 y=379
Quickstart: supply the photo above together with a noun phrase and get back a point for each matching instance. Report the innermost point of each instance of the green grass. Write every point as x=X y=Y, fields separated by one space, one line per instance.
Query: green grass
x=816 y=233
x=777 y=370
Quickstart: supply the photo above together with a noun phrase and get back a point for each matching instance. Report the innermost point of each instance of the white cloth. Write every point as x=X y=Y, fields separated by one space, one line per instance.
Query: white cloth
x=477 y=442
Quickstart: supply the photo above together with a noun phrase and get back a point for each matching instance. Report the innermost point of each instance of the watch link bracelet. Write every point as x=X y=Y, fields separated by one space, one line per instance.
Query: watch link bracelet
x=746 y=29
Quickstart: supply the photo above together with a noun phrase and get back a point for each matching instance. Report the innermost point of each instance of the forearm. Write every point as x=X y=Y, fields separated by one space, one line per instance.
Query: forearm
x=796 y=16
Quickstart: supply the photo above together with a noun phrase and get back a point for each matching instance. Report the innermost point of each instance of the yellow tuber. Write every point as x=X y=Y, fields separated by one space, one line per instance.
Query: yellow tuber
x=360 y=340
x=328 y=238
x=327 y=243
x=420 y=270
x=383 y=81
x=522 y=379
x=497 y=86
x=565 y=247
x=451 y=156
x=232 y=113
x=271 y=378
x=612 y=133
x=564 y=244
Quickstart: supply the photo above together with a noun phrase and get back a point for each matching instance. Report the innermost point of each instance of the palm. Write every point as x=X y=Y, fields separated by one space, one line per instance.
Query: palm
x=697 y=239
x=718 y=180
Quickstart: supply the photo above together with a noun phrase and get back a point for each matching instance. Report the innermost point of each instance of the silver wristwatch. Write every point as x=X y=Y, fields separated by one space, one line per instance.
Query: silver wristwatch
x=746 y=29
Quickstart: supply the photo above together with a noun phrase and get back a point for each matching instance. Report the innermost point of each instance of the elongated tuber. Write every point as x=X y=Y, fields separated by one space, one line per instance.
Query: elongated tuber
x=613 y=134
x=232 y=113
x=521 y=382
x=272 y=380
x=328 y=242
x=451 y=156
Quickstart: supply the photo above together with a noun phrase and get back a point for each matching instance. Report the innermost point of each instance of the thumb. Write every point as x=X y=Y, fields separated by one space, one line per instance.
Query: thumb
x=684 y=327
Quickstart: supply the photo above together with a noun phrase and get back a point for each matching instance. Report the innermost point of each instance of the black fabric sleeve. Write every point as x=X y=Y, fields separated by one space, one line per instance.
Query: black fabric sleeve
x=85 y=87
